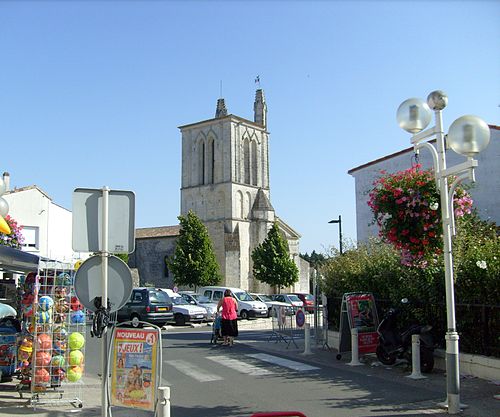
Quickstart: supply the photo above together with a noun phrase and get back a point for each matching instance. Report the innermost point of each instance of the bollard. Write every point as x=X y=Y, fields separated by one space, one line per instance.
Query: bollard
x=307 y=339
x=354 y=348
x=163 y=401
x=415 y=358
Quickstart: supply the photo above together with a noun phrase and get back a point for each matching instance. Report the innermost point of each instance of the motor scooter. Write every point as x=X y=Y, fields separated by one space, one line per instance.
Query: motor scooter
x=395 y=344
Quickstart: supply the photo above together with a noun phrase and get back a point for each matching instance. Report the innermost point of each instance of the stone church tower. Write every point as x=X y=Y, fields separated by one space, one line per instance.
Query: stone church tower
x=225 y=181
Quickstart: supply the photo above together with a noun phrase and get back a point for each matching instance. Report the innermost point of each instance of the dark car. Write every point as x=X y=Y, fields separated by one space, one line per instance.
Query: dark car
x=147 y=304
x=308 y=300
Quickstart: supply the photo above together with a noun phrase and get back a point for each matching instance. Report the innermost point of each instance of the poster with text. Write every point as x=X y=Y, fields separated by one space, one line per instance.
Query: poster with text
x=133 y=368
x=362 y=315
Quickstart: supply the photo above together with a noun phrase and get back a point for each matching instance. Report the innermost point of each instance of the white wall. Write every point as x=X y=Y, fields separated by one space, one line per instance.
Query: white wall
x=485 y=192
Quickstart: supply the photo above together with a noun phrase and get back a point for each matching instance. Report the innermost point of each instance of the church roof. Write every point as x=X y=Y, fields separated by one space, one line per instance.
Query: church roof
x=289 y=231
x=155 y=232
x=261 y=202
x=229 y=116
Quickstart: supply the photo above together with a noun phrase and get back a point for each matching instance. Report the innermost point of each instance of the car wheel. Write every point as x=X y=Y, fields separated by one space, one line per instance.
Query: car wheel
x=244 y=315
x=180 y=320
x=135 y=319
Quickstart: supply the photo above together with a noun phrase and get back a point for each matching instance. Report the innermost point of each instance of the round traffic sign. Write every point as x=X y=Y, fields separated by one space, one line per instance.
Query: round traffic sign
x=88 y=282
x=300 y=318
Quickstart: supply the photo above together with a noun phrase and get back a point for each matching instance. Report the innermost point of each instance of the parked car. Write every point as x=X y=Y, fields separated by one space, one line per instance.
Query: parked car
x=247 y=306
x=200 y=300
x=270 y=303
x=308 y=300
x=185 y=312
x=289 y=299
x=147 y=304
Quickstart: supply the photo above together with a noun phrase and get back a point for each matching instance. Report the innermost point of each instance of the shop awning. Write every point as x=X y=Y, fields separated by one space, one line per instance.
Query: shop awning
x=17 y=261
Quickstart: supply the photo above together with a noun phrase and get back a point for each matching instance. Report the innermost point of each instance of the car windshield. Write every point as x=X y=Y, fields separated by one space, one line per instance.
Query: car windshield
x=243 y=296
x=201 y=299
x=179 y=301
x=293 y=297
x=308 y=297
x=265 y=298
x=159 y=297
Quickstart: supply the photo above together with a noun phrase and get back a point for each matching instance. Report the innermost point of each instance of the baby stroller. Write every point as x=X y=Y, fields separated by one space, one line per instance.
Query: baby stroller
x=216 y=329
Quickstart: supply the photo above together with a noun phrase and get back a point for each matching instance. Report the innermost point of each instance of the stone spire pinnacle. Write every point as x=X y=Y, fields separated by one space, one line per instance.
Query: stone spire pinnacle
x=221 y=110
x=260 y=108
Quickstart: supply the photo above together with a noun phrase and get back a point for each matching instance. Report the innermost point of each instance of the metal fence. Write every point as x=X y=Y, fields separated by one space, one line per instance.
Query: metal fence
x=478 y=325
x=288 y=324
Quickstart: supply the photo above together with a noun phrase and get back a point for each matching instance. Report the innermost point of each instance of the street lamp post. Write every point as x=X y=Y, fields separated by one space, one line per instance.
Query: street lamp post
x=339 y=221
x=468 y=135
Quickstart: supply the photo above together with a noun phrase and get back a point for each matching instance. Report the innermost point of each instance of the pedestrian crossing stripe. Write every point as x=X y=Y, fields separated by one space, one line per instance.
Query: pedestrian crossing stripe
x=275 y=360
x=193 y=371
x=240 y=366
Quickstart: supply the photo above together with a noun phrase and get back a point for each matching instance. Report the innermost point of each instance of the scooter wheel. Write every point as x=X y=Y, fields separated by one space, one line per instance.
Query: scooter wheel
x=339 y=356
x=384 y=357
x=426 y=360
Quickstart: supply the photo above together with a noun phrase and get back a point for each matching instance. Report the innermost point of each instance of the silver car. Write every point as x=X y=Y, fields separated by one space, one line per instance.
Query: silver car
x=200 y=300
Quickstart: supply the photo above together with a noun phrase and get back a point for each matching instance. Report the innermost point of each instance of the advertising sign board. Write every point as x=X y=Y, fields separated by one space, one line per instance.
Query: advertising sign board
x=134 y=368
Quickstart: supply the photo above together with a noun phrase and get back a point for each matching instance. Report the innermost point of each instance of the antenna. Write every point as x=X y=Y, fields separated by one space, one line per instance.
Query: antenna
x=257 y=81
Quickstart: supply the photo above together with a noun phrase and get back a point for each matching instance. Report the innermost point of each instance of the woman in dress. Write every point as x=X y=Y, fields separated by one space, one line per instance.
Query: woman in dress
x=229 y=325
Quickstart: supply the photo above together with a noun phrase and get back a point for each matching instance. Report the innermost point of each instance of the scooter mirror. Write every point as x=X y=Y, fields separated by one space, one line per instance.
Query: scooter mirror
x=404 y=300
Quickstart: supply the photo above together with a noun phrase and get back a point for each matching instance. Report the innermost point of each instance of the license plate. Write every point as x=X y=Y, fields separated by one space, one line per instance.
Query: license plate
x=200 y=316
x=162 y=308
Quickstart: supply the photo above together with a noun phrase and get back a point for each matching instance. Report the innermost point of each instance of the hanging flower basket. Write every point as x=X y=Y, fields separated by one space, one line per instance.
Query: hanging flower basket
x=405 y=206
x=15 y=238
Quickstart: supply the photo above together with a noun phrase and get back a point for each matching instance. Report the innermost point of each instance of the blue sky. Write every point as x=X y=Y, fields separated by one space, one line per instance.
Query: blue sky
x=92 y=92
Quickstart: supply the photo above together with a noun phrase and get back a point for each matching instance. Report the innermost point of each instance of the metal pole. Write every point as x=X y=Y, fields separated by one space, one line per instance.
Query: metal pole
x=452 y=351
x=307 y=339
x=164 y=401
x=316 y=307
x=340 y=234
x=354 y=348
x=415 y=358
x=104 y=290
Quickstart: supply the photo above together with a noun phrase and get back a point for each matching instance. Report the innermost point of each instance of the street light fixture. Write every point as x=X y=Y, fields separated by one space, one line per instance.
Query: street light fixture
x=339 y=221
x=468 y=135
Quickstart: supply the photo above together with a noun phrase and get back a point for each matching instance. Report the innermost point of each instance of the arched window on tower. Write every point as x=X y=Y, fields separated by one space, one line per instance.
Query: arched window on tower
x=254 y=162
x=246 y=161
x=201 y=162
x=210 y=160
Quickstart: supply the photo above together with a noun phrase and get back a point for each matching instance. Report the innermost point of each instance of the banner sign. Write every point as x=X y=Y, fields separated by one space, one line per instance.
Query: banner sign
x=134 y=368
x=362 y=314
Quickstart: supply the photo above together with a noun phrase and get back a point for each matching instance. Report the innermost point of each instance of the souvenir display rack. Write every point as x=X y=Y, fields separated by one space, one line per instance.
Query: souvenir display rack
x=52 y=350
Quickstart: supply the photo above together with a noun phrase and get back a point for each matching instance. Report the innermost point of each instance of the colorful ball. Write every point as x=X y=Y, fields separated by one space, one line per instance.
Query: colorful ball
x=58 y=361
x=42 y=359
x=75 y=304
x=60 y=347
x=77 y=317
x=60 y=331
x=42 y=376
x=63 y=279
x=61 y=306
x=76 y=341
x=43 y=341
x=43 y=317
x=60 y=292
x=75 y=358
x=74 y=373
x=45 y=303
x=58 y=375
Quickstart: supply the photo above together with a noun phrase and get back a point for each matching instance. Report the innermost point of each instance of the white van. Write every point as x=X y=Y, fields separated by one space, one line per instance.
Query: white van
x=247 y=306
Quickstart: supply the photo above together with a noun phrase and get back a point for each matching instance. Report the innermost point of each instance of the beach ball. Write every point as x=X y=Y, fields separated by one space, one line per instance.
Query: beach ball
x=42 y=358
x=43 y=317
x=58 y=361
x=77 y=317
x=75 y=358
x=43 y=341
x=60 y=347
x=75 y=304
x=60 y=292
x=63 y=279
x=76 y=341
x=74 y=373
x=42 y=376
x=45 y=303
x=61 y=306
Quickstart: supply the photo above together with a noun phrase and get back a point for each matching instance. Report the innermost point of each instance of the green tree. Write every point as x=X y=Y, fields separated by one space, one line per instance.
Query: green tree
x=315 y=259
x=272 y=263
x=194 y=262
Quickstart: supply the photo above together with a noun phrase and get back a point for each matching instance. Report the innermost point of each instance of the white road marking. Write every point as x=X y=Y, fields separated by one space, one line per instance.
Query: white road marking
x=193 y=371
x=240 y=366
x=296 y=366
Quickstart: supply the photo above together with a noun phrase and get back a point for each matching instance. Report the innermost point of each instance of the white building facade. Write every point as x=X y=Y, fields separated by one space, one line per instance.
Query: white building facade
x=225 y=181
x=485 y=192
